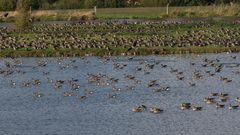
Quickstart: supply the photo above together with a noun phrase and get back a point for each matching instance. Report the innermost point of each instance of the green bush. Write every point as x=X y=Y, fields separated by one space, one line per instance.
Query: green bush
x=182 y=14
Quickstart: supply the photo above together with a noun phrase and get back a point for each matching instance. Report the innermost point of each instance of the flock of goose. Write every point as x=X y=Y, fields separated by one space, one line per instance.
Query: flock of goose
x=171 y=91
x=219 y=100
x=133 y=34
x=112 y=34
x=211 y=68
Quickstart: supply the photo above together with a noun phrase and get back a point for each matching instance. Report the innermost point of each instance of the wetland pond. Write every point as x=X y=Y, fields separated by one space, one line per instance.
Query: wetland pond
x=96 y=95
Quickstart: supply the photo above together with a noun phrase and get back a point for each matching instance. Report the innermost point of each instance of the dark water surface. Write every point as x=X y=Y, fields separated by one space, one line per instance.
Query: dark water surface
x=105 y=108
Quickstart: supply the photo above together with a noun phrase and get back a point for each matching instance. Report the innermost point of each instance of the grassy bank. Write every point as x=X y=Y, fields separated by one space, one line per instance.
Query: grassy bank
x=129 y=13
x=115 y=51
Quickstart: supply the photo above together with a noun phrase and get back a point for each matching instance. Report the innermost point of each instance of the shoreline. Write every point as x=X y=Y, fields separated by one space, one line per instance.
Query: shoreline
x=226 y=19
x=115 y=51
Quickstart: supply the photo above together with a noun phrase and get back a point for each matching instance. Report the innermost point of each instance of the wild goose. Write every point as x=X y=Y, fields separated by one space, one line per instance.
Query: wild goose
x=155 y=110
x=196 y=108
x=218 y=105
x=184 y=106
x=139 y=108
x=231 y=107
x=208 y=100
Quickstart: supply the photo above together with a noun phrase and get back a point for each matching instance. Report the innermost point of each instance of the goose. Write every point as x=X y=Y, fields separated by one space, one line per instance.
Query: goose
x=139 y=108
x=218 y=105
x=196 y=108
x=155 y=110
x=231 y=107
x=184 y=106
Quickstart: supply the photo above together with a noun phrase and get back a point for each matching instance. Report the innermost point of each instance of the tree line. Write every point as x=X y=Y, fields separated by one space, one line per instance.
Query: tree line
x=7 y=5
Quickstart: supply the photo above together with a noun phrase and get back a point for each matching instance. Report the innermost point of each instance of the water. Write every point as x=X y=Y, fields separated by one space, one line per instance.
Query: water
x=10 y=25
x=98 y=109
x=164 y=20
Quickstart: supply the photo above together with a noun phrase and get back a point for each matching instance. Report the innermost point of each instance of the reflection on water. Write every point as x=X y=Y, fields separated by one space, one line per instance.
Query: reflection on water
x=93 y=95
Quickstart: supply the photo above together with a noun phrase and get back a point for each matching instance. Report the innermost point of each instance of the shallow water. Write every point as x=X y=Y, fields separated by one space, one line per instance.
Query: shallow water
x=164 y=20
x=106 y=111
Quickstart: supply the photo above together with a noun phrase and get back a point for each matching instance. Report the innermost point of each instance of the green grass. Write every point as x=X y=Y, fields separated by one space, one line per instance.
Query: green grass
x=160 y=12
x=130 y=13
x=115 y=51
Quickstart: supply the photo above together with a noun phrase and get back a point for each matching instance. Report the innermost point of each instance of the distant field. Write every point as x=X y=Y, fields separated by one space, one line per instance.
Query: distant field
x=160 y=12
x=146 y=12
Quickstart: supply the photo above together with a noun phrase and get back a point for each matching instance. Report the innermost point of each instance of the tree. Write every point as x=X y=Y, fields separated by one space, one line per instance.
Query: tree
x=34 y=4
x=69 y=4
x=90 y=3
x=120 y=3
x=23 y=16
x=7 y=5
